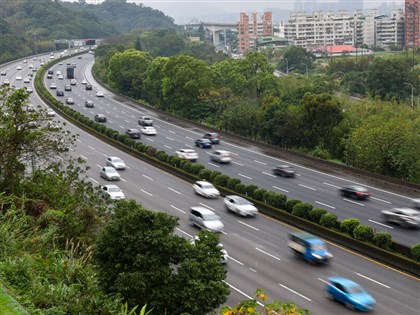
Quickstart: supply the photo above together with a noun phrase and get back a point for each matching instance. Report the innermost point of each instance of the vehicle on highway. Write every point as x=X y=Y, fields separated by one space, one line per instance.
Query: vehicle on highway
x=73 y=82
x=3 y=72
x=60 y=77
x=145 y=121
x=49 y=76
x=203 y=143
x=116 y=163
x=133 y=133
x=27 y=80
x=100 y=118
x=79 y=57
x=30 y=108
x=112 y=192
x=205 y=219
x=67 y=88
x=284 y=171
x=28 y=89
x=19 y=78
x=224 y=254
x=69 y=101
x=59 y=93
x=89 y=104
x=416 y=203
x=221 y=156
x=58 y=73
x=406 y=217
x=84 y=82
x=214 y=137
x=53 y=86
x=205 y=189
x=240 y=206
x=6 y=82
x=188 y=154
x=309 y=247
x=348 y=292
x=148 y=130
x=99 y=94
x=355 y=192
x=50 y=113
x=88 y=87
x=19 y=68
x=109 y=173
x=25 y=61
x=50 y=72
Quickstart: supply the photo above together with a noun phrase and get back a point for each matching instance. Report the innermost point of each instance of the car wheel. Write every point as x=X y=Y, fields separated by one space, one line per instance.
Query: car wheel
x=349 y=306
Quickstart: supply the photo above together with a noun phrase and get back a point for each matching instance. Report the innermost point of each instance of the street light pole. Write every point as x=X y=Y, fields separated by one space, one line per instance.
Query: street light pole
x=412 y=94
x=287 y=66
x=307 y=74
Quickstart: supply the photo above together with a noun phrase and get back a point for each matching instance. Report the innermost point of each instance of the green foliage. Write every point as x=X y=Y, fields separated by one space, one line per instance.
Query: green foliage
x=221 y=180
x=162 y=155
x=139 y=146
x=196 y=168
x=197 y=287
x=382 y=240
x=348 y=226
x=240 y=188
x=363 y=233
x=302 y=210
x=213 y=175
x=186 y=166
x=122 y=137
x=328 y=220
x=151 y=151
x=290 y=204
x=259 y=194
x=275 y=199
x=205 y=174
x=232 y=182
x=316 y=214
x=249 y=190
x=415 y=252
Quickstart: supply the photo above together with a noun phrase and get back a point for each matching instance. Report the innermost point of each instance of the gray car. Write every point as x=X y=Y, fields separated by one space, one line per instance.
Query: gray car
x=405 y=217
x=240 y=206
x=205 y=219
x=109 y=173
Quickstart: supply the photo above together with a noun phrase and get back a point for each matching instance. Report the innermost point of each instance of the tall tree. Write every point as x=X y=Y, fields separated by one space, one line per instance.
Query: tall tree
x=139 y=257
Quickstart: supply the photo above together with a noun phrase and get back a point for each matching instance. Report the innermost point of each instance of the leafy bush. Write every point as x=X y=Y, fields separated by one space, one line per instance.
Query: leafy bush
x=316 y=214
x=196 y=168
x=259 y=194
x=205 y=174
x=328 y=220
x=130 y=142
x=174 y=161
x=275 y=199
x=213 y=175
x=240 y=188
x=382 y=240
x=221 y=180
x=232 y=182
x=249 y=190
x=122 y=137
x=415 y=252
x=348 y=226
x=187 y=166
x=162 y=156
x=363 y=233
x=139 y=146
x=290 y=204
x=151 y=151
x=302 y=210
x=101 y=128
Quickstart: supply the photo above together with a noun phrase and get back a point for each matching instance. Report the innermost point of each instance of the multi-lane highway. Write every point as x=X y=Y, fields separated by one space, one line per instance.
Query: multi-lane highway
x=258 y=253
x=250 y=164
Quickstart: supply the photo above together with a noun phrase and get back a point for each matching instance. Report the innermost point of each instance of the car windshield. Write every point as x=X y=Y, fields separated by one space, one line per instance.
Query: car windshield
x=210 y=217
x=242 y=201
x=207 y=186
x=114 y=189
x=354 y=289
x=117 y=160
x=319 y=247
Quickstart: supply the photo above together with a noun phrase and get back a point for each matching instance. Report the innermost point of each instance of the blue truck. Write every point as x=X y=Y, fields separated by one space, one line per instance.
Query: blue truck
x=70 y=72
x=309 y=247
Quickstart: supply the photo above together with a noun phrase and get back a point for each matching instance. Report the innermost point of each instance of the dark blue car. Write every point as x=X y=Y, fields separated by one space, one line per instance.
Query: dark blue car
x=203 y=143
x=351 y=294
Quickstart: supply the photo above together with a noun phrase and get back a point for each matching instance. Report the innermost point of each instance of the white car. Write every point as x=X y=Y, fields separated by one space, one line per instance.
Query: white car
x=19 y=68
x=240 y=205
x=112 y=192
x=58 y=72
x=26 y=80
x=116 y=163
x=150 y=131
x=205 y=189
x=99 y=94
x=109 y=173
x=53 y=85
x=188 y=154
x=84 y=81
x=60 y=77
x=50 y=113
x=29 y=89
x=30 y=66
x=25 y=61
x=19 y=78
x=416 y=203
x=221 y=156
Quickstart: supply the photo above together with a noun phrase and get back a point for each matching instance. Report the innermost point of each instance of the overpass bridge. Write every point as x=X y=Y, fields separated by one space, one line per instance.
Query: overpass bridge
x=215 y=28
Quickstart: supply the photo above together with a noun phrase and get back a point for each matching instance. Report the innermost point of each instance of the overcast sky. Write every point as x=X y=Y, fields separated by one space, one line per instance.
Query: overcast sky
x=184 y=11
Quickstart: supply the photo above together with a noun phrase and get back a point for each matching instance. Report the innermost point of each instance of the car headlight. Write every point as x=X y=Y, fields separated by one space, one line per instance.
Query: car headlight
x=317 y=256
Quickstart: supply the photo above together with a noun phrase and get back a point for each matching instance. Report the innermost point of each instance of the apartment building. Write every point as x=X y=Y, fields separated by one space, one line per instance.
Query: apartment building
x=250 y=29
x=412 y=23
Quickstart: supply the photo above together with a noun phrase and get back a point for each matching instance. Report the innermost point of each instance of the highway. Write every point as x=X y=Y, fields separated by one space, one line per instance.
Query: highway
x=250 y=164
x=258 y=254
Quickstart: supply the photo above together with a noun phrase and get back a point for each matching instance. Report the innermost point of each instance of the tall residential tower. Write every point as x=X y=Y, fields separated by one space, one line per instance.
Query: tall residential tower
x=412 y=23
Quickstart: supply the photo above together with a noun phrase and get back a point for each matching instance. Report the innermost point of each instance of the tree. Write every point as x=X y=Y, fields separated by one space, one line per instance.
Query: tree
x=139 y=257
x=138 y=44
x=297 y=57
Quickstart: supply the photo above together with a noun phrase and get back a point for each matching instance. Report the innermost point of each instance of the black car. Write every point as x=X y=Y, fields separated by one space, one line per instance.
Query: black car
x=213 y=137
x=284 y=171
x=50 y=72
x=89 y=104
x=203 y=143
x=355 y=192
x=59 y=93
x=88 y=87
x=100 y=118
x=133 y=133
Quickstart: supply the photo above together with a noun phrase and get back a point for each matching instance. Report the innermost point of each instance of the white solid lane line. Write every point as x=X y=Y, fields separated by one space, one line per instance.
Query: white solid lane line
x=268 y=254
x=324 y=204
x=182 y=211
x=307 y=187
x=83 y=157
x=171 y=131
x=237 y=163
x=352 y=201
x=189 y=235
x=381 y=224
x=167 y=146
x=123 y=180
x=381 y=200
x=268 y=174
x=281 y=189
x=377 y=282
x=94 y=180
x=147 y=193
x=213 y=164
x=207 y=206
x=237 y=261
x=295 y=292
x=147 y=177
x=91 y=147
x=328 y=184
x=244 y=176
x=169 y=138
x=250 y=226
x=175 y=191
x=259 y=162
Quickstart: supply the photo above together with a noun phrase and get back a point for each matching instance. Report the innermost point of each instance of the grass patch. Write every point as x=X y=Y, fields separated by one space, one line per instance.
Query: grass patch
x=8 y=305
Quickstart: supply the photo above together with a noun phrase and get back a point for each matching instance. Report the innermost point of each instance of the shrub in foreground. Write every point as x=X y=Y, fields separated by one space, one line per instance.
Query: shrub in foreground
x=363 y=233
x=382 y=240
x=415 y=252
x=290 y=204
x=316 y=214
x=302 y=210
x=348 y=226
x=328 y=220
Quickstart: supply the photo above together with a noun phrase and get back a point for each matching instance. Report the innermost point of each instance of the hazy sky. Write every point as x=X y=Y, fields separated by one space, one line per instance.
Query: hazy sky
x=183 y=11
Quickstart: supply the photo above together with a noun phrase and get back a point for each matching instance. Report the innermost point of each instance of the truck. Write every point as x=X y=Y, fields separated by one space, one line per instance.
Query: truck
x=70 y=73
x=309 y=247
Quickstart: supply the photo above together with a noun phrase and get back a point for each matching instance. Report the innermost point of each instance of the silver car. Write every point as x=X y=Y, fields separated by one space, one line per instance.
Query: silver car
x=109 y=173
x=116 y=163
x=205 y=189
x=221 y=156
x=205 y=219
x=405 y=217
x=240 y=205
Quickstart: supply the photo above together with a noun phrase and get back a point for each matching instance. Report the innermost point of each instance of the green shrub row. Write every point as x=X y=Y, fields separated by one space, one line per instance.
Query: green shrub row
x=351 y=227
